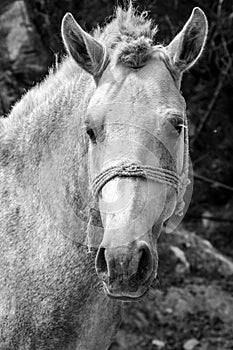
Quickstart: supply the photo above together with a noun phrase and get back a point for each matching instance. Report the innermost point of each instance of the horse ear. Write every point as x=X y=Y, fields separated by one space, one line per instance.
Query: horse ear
x=187 y=46
x=90 y=54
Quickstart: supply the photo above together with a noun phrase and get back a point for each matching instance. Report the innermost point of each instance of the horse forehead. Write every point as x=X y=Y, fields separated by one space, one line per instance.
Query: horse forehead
x=148 y=86
x=151 y=87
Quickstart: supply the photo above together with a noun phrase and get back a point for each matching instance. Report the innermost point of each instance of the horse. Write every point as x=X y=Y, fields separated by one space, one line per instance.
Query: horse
x=93 y=162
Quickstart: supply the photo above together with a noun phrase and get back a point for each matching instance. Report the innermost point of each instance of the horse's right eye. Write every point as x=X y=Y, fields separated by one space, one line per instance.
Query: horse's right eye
x=91 y=134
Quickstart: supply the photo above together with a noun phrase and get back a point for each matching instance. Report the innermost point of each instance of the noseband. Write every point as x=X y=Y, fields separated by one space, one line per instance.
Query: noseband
x=124 y=169
x=128 y=169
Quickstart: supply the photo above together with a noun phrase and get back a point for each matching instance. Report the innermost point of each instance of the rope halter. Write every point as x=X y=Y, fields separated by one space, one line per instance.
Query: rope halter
x=132 y=169
x=128 y=169
x=162 y=175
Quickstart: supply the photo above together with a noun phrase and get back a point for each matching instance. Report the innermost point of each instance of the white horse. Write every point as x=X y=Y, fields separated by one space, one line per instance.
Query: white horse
x=118 y=181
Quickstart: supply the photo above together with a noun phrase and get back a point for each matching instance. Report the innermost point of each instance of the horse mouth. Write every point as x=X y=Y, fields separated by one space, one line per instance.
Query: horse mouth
x=124 y=296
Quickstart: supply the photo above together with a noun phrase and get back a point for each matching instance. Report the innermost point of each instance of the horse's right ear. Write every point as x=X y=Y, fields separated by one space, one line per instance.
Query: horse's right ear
x=90 y=54
x=187 y=46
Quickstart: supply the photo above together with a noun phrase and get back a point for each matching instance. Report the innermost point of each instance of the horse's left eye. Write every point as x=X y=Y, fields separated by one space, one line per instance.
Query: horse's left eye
x=179 y=127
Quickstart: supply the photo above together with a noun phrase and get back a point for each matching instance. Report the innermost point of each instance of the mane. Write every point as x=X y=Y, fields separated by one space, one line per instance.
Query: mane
x=130 y=38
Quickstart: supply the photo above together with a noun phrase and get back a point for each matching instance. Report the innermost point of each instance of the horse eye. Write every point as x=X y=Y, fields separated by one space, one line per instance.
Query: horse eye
x=177 y=124
x=91 y=134
x=179 y=127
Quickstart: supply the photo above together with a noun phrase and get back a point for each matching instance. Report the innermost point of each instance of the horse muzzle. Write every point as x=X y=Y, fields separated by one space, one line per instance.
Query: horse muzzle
x=126 y=271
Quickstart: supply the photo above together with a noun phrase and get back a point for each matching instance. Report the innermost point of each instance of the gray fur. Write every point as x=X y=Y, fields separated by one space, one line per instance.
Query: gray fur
x=43 y=302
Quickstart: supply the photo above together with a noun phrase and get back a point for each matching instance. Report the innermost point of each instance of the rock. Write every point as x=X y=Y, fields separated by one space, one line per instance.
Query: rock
x=190 y=300
x=190 y=344
x=158 y=343
x=23 y=57
x=195 y=252
x=183 y=264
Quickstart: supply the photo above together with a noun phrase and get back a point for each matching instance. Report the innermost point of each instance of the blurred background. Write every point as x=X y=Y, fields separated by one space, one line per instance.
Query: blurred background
x=191 y=303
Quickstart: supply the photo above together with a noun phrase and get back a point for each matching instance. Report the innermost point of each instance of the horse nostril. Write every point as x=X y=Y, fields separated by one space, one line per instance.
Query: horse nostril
x=144 y=267
x=101 y=264
x=145 y=264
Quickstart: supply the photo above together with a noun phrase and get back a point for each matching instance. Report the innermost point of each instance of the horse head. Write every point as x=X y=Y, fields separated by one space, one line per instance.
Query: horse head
x=137 y=129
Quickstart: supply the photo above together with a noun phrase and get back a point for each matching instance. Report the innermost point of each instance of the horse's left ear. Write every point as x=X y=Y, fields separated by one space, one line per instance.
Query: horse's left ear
x=89 y=53
x=187 y=46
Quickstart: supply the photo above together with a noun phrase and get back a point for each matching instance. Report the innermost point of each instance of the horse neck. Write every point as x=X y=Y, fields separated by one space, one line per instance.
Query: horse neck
x=64 y=173
x=50 y=150
x=49 y=118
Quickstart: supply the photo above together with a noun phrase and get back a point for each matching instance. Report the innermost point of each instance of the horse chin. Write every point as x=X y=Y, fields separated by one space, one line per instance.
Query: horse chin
x=125 y=296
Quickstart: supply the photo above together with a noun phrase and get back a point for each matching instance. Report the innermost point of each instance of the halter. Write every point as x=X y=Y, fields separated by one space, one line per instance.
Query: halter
x=131 y=169
x=128 y=169
x=162 y=175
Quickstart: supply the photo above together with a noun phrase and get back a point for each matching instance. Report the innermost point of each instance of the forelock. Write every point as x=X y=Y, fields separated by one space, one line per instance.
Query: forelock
x=129 y=38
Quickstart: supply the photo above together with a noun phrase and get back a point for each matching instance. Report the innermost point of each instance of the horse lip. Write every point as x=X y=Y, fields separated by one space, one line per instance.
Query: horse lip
x=124 y=297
